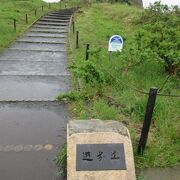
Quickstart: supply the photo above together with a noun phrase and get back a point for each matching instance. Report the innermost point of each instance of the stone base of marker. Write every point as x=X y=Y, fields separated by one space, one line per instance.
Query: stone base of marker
x=99 y=150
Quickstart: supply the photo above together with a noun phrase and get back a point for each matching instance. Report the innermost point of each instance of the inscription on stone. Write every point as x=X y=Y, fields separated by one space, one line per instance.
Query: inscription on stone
x=92 y=157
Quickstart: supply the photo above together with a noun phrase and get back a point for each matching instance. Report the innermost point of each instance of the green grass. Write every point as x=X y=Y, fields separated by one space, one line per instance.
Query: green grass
x=17 y=9
x=115 y=99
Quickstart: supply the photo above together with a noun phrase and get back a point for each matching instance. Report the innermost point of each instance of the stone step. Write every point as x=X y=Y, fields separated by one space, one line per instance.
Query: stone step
x=48 y=35
x=35 y=56
x=33 y=29
x=33 y=68
x=32 y=88
x=50 y=27
x=53 y=20
x=38 y=47
x=57 y=17
x=61 y=14
x=41 y=41
x=52 y=23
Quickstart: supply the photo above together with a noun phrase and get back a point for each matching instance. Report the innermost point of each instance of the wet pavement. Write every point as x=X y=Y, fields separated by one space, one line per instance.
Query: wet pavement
x=169 y=173
x=31 y=68
x=33 y=71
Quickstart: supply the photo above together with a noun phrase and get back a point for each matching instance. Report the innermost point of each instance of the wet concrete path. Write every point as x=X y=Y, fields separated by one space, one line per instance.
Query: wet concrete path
x=33 y=71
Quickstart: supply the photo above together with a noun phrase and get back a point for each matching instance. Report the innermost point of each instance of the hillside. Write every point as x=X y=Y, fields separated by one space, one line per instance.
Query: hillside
x=117 y=87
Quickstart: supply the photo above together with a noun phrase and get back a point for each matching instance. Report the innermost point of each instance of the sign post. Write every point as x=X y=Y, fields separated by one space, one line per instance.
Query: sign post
x=115 y=44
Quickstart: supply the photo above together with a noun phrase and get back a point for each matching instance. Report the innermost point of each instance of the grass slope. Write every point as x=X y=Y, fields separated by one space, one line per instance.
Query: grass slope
x=18 y=9
x=117 y=99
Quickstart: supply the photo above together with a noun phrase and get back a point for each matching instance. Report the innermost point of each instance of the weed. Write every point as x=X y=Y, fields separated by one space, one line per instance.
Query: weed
x=61 y=161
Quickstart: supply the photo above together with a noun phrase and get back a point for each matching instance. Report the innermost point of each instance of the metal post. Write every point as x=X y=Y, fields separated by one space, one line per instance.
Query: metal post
x=87 y=51
x=35 y=12
x=77 y=39
x=147 y=119
x=26 y=19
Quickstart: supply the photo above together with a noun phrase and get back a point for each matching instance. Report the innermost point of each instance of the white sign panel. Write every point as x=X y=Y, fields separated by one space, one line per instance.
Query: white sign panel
x=115 y=43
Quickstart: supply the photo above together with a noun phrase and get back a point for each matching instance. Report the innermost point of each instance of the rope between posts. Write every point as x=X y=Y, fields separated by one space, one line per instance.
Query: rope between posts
x=130 y=86
x=137 y=90
x=168 y=95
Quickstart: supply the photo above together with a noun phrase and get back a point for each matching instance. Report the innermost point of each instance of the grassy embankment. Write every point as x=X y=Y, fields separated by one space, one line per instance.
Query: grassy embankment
x=18 y=9
x=114 y=98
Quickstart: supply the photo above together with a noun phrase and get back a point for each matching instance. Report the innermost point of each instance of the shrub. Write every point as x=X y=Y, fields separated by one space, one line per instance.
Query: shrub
x=160 y=34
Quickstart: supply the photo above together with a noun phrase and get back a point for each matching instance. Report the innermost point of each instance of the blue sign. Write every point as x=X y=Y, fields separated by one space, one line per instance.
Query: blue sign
x=115 y=43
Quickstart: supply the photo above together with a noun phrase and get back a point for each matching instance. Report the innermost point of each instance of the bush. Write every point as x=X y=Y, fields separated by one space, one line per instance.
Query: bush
x=160 y=34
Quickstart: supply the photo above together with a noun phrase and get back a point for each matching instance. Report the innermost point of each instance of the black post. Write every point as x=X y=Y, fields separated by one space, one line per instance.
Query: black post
x=87 y=51
x=77 y=39
x=42 y=8
x=147 y=119
x=14 y=25
x=73 y=24
x=26 y=19
x=35 y=12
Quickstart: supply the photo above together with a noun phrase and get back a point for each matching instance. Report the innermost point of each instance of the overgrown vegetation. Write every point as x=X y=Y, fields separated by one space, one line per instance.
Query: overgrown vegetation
x=113 y=88
x=160 y=34
x=61 y=162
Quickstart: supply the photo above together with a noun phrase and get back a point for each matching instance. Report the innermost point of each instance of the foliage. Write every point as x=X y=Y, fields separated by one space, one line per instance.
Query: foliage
x=61 y=161
x=160 y=34
x=73 y=96
x=88 y=72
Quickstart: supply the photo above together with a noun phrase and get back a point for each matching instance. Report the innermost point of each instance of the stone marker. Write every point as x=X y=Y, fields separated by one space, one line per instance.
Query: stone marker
x=99 y=150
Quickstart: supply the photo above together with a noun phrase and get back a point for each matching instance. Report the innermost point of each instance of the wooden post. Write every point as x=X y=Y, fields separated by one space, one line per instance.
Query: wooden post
x=26 y=19
x=110 y=55
x=147 y=119
x=35 y=12
x=49 y=6
x=42 y=8
x=73 y=24
x=14 y=25
x=77 y=39
x=87 y=51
